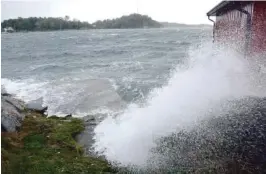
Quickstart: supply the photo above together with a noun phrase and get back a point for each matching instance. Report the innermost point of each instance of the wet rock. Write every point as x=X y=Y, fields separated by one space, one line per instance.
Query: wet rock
x=68 y=116
x=86 y=137
x=232 y=142
x=18 y=104
x=11 y=114
x=4 y=92
x=36 y=105
x=89 y=119
x=3 y=129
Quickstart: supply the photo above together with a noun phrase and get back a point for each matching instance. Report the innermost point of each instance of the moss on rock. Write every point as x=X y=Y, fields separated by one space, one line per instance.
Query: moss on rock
x=47 y=146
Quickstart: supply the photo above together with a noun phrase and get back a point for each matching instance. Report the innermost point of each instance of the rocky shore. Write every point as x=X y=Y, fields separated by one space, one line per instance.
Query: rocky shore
x=33 y=143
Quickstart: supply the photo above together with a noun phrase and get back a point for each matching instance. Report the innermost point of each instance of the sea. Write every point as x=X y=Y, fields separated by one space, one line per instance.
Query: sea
x=146 y=84
x=91 y=71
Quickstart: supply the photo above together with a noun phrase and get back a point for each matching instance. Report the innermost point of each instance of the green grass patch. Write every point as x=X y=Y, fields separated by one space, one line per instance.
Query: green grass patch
x=47 y=146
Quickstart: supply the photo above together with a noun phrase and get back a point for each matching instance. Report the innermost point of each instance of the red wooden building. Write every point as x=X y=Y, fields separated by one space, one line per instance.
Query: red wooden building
x=241 y=25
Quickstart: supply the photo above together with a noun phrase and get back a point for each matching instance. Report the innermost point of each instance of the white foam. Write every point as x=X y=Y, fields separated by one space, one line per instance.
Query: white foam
x=210 y=77
x=24 y=89
x=67 y=96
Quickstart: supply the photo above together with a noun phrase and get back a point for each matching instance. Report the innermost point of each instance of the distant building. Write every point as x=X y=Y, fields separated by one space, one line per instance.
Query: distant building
x=9 y=30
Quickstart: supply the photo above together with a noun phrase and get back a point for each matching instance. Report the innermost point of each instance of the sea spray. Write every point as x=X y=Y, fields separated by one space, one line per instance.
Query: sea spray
x=211 y=77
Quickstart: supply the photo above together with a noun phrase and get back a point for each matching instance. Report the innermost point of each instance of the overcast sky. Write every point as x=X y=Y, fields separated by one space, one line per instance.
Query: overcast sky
x=181 y=11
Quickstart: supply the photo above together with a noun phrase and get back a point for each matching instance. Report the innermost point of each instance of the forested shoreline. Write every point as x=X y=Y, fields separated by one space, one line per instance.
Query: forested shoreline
x=59 y=23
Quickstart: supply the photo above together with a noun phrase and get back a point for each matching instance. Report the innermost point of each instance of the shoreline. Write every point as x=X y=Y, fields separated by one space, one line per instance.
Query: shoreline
x=42 y=144
x=45 y=144
x=93 y=29
x=90 y=29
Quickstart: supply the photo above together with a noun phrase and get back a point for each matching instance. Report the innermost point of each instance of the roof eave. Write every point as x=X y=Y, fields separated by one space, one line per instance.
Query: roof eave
x=214 y=10
x=226 y=6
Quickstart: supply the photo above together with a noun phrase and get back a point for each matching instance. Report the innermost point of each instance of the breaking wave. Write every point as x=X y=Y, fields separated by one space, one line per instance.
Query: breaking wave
x=77 y=96
x=209 y=77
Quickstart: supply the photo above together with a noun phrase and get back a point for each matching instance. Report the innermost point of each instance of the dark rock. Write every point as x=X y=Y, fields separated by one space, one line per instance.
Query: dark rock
x=4 y=92
x=3 y=129
x=36 y=105
x=86 y=137
x=68 y=116
x=234 y=142
x=43 y=110
x=89 y=118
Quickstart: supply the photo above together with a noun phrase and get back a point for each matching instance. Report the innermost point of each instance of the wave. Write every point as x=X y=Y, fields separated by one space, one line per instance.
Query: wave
x=46 y=67
x=78 y=97
x=113 y=34
x=67 y=38
x=209 y=77
x=24 y=89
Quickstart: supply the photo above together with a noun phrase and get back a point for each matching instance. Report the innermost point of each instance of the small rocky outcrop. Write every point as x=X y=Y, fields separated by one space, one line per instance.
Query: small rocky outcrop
x=36 y=105
x=3 y=91
x=85 y=138
x=47 y=145
x=13 y=111
x=54 y=138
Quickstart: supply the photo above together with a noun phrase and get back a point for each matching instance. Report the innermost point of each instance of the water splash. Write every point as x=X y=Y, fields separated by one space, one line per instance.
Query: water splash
x=209 y=77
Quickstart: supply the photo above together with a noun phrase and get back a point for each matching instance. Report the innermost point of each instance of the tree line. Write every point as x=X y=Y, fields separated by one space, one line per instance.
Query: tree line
x=130 y=21
x=44 y=24
x=51 y=23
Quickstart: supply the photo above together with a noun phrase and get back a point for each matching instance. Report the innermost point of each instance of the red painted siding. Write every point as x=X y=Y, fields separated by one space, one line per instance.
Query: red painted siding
x=258 y=41
x=230 y=28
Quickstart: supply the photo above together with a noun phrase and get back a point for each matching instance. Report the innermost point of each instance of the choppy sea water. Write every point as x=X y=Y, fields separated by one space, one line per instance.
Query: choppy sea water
x=165 y=81
x=83 y=72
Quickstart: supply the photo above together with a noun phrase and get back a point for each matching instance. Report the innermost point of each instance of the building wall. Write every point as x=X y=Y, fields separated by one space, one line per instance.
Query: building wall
x=258 y=41
x=258 y=33
x=230 y=29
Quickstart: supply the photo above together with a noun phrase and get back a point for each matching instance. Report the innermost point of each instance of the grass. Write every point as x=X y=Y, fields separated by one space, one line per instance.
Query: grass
x=47 y=146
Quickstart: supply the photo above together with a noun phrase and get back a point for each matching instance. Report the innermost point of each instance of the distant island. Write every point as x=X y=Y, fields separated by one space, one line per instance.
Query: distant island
x=131 y=21
x=43 y=24
x=52 y=23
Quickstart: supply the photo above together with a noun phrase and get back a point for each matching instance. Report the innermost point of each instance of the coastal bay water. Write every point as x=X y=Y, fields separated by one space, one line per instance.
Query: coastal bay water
x=165 y=82
x=82 y=72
